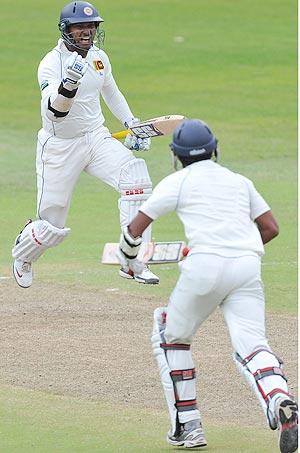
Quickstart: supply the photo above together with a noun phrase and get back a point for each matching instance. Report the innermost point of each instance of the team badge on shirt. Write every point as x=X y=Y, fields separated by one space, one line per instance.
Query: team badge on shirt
x=98 y=65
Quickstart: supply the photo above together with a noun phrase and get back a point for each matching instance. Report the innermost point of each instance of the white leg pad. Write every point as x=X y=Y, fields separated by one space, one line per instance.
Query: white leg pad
x=263 y=372
x=35 y=238
x=184 y=390
x=164 y=370
x=135 y=187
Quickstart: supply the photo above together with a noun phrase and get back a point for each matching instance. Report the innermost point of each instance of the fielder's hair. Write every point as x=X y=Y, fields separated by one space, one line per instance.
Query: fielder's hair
x=185 y=161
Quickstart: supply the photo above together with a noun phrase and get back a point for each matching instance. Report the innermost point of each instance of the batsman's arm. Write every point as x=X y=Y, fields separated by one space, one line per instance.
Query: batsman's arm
x=58 y=95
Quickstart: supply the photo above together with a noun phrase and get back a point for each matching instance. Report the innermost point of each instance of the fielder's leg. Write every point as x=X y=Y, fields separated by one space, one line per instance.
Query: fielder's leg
x=30 y=244
x=177 y=374
x=244 y=314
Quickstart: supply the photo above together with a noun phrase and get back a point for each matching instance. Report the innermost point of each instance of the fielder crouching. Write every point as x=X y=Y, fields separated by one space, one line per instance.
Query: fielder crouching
x=226 y=223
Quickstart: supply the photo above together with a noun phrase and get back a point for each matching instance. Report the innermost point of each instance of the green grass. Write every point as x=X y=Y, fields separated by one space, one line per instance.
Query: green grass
x=235 y=67
x=37 y=422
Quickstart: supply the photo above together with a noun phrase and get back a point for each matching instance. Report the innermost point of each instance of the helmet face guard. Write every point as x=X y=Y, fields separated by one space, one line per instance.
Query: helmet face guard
x=79 y=13
x=68 y=38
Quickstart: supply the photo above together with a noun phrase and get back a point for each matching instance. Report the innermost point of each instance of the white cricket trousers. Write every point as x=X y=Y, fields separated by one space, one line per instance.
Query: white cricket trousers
x=208 y=281
x=59 y=163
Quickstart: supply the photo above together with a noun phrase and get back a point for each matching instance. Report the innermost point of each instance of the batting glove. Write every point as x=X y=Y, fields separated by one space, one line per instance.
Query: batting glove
x=128 y=251
x=135 y=143
x=76 y=68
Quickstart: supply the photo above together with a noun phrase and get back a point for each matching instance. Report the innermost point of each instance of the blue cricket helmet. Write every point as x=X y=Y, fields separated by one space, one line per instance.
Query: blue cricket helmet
x=194 y=139
x=77 y=13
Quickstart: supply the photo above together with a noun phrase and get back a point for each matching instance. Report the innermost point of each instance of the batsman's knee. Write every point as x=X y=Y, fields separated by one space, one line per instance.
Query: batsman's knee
x=135 y=187
x=35 y=238
x=135 y=182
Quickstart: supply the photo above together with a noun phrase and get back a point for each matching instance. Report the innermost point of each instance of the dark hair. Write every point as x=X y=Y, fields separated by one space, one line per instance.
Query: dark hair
x=185 y=161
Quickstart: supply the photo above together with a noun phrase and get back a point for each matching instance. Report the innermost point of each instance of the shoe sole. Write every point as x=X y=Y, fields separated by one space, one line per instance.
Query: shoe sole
x=197 y=441
x=14 y=274
x=288 y=426
x=146 y=282
x=138 y=279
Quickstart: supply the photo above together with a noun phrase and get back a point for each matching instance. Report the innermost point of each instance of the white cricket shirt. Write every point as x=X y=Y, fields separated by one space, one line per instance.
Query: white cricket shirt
x=85 y=114
x=216 y=206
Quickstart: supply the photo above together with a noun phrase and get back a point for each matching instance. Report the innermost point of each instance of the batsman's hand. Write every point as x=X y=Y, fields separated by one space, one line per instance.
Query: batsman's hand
x=135 y=143
x=76 y=68
x=127 y=253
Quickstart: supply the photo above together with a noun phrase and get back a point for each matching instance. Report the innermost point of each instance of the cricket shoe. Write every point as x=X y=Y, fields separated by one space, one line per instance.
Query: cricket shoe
x=190 y=436
x=287 y=423
x=23 y=273
x=144 y=276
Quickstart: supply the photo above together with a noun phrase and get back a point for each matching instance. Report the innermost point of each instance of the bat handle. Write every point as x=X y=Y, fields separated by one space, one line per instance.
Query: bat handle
x=121 y=134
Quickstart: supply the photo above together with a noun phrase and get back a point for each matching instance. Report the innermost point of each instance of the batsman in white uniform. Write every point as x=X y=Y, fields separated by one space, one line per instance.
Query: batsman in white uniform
x=226 y=223
x=73 y=138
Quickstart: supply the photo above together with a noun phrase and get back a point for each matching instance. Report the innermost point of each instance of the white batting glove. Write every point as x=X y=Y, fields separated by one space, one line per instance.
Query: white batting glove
x=76 y=68
x=134 y=265
x=135 y=143
x=128 y=251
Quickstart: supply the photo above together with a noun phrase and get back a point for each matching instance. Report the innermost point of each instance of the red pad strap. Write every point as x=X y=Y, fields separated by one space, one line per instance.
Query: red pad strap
x=183 y=375
x=269 y=371
x=187 y=405
x=253 y=354
x=178 y=346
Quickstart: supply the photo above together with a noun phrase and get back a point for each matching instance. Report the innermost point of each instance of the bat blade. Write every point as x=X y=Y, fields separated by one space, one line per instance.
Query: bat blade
x=151 y=252
x=153 y=127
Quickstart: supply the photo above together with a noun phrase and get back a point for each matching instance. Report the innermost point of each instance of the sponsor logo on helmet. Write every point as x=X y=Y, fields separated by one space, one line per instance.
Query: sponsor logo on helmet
x=88 y=11
x=197 y=152
x=98 y=65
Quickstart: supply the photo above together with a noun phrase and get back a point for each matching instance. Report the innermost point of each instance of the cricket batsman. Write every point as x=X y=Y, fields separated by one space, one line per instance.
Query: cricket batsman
x=72 y=78
x=226 y=223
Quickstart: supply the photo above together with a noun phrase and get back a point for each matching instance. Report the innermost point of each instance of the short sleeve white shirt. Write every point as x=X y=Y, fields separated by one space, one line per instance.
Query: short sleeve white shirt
x=216 y=206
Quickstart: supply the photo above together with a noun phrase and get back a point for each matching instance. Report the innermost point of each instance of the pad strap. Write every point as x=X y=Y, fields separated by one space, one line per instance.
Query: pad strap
x=178 y=346
x=254 y=353
x=186 y=405
x=269 y=371
x=183 y=375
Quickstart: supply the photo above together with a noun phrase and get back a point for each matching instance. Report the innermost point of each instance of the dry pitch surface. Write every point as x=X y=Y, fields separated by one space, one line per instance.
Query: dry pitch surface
x=95 y=345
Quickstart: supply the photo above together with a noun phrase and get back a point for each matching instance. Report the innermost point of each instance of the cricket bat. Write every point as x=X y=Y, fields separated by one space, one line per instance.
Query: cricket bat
x=150 y=252
x=154 y=127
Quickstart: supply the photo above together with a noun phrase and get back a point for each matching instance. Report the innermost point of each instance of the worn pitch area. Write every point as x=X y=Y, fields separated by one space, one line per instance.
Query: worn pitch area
x=95 y=345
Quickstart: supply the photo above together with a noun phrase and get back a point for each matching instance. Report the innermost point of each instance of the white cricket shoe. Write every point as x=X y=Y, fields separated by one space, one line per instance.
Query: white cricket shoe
x=190 y=436
x=286 y=411
x=23 y=273
x=145 y=276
